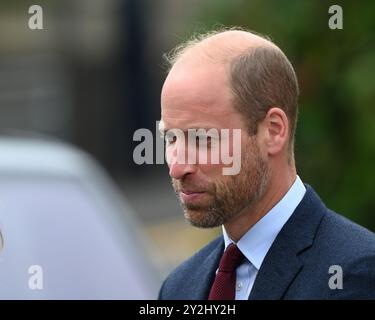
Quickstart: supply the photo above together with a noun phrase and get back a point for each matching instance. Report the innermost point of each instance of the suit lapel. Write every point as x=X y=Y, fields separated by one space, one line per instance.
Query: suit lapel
x=206 y=272
x=277 y=271
x=282 y=263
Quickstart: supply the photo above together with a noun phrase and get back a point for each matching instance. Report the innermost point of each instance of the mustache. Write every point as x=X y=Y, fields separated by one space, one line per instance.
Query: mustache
x=178 y=186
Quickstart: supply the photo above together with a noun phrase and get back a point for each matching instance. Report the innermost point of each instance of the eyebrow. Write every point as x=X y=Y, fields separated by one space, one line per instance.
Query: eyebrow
x=163 y=129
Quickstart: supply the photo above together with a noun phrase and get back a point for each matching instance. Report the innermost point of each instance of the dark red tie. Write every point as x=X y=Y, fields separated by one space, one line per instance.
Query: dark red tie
x=223 y=287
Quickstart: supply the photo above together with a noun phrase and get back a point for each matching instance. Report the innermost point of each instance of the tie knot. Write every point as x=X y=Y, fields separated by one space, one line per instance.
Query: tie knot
x=231 y=258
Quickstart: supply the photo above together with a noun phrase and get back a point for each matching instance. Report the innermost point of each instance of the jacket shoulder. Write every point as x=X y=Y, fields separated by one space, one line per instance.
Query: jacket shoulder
x=339 y=243
x=173 y=286
x=349 y=239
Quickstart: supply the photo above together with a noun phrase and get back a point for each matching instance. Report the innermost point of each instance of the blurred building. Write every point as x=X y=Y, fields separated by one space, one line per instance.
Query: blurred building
x=92 y=77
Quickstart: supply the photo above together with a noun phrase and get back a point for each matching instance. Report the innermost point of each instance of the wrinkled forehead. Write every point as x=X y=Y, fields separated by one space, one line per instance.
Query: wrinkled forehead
x=196 y=97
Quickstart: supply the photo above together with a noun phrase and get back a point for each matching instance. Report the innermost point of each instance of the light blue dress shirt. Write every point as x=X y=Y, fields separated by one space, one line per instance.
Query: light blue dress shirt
x=256 y=242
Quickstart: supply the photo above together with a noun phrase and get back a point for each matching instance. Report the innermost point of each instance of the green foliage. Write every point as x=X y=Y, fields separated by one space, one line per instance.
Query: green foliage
x=335 y=143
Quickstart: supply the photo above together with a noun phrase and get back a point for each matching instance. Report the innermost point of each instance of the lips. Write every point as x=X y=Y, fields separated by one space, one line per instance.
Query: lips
x=190 y=191
x=190 y=195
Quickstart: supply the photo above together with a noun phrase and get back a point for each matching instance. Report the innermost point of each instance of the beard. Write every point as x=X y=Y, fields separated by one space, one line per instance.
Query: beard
x=227 y=197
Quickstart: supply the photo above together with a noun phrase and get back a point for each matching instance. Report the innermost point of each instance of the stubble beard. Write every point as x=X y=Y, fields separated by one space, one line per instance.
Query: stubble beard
x=229 y=196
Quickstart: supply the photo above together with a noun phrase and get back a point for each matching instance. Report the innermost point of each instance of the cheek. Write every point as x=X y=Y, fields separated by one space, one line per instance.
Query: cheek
x=233 y=142
x=169 y=152
x=211 y=171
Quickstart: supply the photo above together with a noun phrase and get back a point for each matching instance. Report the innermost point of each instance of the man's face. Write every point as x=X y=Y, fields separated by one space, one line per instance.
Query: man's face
x=198 y=96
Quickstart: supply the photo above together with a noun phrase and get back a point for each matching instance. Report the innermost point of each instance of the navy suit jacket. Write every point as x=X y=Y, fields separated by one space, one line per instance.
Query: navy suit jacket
x=298 y=262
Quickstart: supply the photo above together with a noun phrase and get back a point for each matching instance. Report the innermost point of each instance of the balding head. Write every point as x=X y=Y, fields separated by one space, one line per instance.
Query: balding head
x=259 y=74
x=217 y=47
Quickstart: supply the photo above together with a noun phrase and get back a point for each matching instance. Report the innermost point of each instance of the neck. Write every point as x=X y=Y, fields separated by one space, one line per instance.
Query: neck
x=279 y=185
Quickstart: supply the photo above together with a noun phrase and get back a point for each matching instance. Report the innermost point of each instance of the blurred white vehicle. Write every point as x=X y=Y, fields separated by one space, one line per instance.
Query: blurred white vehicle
x=66 y=231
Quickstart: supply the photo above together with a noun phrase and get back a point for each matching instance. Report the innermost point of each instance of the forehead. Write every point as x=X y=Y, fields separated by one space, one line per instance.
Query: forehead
x=198 y=96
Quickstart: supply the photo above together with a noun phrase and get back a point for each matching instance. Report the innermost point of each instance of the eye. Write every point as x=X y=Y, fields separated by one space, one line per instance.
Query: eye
x=170 y=139
x=203 y=141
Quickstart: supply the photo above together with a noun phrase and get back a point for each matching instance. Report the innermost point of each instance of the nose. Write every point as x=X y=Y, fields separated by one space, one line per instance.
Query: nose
x=179 y=165
x=178 y=170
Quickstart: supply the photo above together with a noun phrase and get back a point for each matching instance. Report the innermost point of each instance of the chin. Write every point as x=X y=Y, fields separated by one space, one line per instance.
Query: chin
x=201 y=219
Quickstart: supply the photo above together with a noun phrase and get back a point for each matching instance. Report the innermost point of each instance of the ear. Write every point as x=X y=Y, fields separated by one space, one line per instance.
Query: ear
x=276 y=131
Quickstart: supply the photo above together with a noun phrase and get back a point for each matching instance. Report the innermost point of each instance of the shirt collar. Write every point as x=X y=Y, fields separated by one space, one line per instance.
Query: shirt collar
x=256 y=242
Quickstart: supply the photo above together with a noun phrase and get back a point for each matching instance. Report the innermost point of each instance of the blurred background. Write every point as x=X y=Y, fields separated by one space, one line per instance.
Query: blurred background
x=93 y=76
